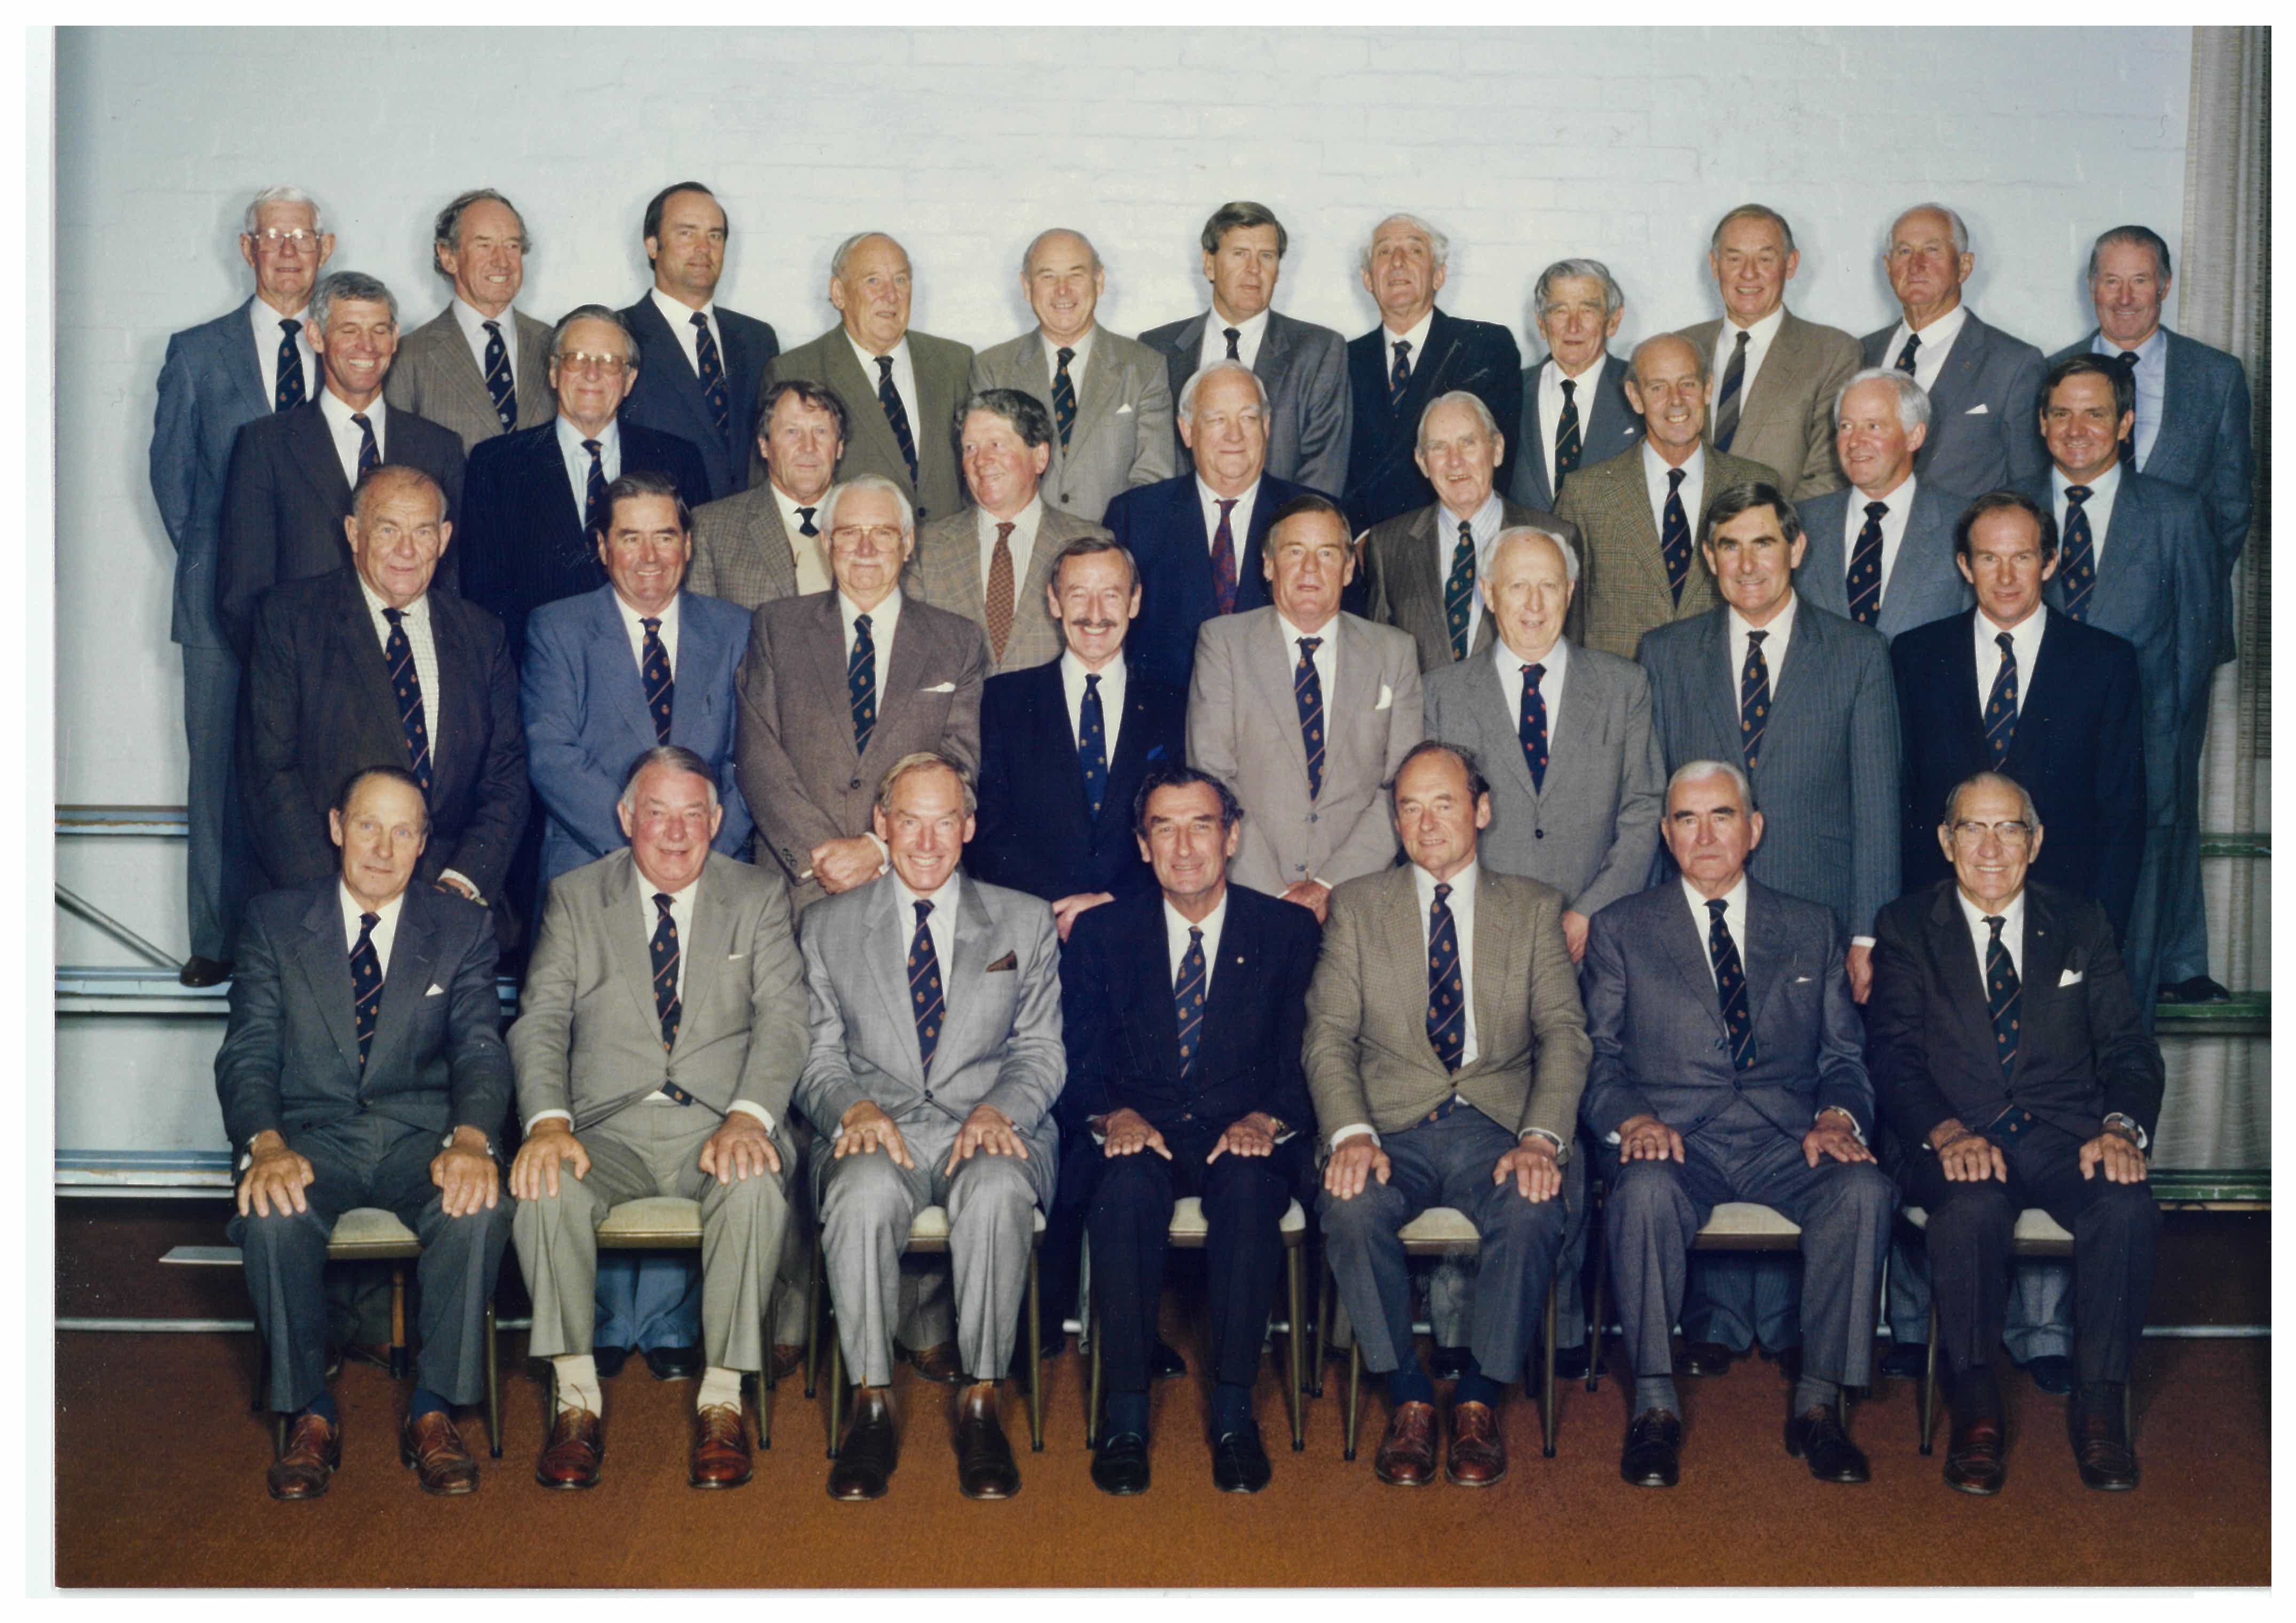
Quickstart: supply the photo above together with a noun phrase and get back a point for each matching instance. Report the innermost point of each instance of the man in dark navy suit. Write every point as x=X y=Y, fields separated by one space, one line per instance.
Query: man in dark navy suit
x=1184 y=1008
x=1575 y=410
x=708 y=359
x=1416 y=354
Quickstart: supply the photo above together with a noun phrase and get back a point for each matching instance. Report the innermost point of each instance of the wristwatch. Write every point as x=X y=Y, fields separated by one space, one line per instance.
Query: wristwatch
x=2137 y=1136
x=1856 y=1131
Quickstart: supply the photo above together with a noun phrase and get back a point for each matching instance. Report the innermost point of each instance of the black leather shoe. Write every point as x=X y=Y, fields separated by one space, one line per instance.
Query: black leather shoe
x=985 y=1468
x=205 y=972
x=1705 y=1358
x=2200 y=989
x=674 y=1363
x=1448 y=1364
x=1239 y=1460
x=1652 y=1456
x=1571 y=1362
x=1818 y=1438
x=610 y=1360
x=1164 y=1363
x=2052 y=1373
x=1907 y=1361
x=1973 y=1456
x=1119 y=1463
x=869 y=1450
x=2101 y=1446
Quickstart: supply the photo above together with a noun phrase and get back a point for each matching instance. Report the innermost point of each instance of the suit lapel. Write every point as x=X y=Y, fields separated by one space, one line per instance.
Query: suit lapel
x=698 y=654
x=1686 y=943
x=535 y=395
x=363 y=659
x=884 y=941
x=865 y=412
x=823 y=666
x=1767 y=397
x=1159 y=1016
x=1945 y=395
x=545 y=475
x=1719 y=698
x=325 y=964
x=2045 y=964
x=705 y=950
x=1277 y=662
x=462 y=373
x=312 y=445
x=899 y=677
x=406 y=979
x=459 y=705
x=1766 y=949
x=1488 y=698
x=1608 y=420
x=1954 y=953
x=624 y=686
x=1496 y=970
x=629 y=940
x=244 y=365
x=1416 y=580
x=1356 y=689
x=1273 y=361
x=1572 y=739
x=962 y=978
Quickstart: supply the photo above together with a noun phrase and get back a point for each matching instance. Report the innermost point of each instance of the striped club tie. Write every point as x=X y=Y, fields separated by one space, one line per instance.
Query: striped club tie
x=2005 y=996
x=406 y=688
x=1399 y=381
x=1753 y=698
x=925 y=999
x=1308 y=692
x=366 y=984
x=1906 y=355
x=1730 y=984
x=897 y=415
x=1864 y=580
x=861 y=684
x=499 y=386
x=593 y=493
x=661 y=687
x=663 y=950
x=2001 y=703
x=712 y=370
x=1447 y=985
x=2128 y=359
x=1188 y=999
x=370 y=455
x=1459 y=591
x=290 y=391
x=1064 y=402
x=1726 y=405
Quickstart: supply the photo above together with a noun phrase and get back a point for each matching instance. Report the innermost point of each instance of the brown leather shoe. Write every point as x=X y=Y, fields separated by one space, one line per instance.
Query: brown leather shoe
x=431 y=1444
x=2101 y=1446
x=939 y=1362
x=1478 y=1454
x=577 y=1448
x=1406 y=1454
x=787 y=1360
x=721 y=1448
x=985 y=1469
x=313 y=1454
x=869 y=1450
x=1972 y=1457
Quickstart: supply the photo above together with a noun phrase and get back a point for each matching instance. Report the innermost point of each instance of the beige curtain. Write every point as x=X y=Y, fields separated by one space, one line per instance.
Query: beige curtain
x=2218 y=1112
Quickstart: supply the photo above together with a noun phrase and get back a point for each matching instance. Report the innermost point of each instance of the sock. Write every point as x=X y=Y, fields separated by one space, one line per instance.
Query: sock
x=578 y=1382
x=1656 y=1392
x=1127 y=1411
x=324 y=1407
x=1231 y=1407
x=720 y=1389
x=1974 y=1394
x=427 y=1402
x=1407 y=1382
x=1476 y=1387
x=1816 y=1392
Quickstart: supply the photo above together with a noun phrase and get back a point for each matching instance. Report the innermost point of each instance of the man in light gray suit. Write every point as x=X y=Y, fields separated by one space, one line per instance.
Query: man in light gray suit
x=1424 y=564
x=838 y=685
x=935 y=1061
x=1304 y=366
x=1575 y=410
x=1307 y=712
x=1982 y=383
x=1880 y=550
x=217 y=375
x=1728 y=1066
x=1445 y=1051
x=481 y=366
x=1774 y=374
x=767 y=541
x=993 y=562
x=657 y=1047
x=1111 y=403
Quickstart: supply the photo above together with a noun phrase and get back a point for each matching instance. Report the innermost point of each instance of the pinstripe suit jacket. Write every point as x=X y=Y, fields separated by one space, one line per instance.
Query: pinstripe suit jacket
x=742 y=551
x=1609 y=425
x=1123 y=433
x=434 y=375
x=1622 y=588
x=1786 y=419
x=945 y=571
x=1311 y=413
x=943 y=367
x=1924 y=585
x=1404 y=579
x=1827 y=779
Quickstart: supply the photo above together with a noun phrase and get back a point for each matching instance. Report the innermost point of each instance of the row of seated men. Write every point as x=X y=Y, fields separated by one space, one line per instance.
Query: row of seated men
x=1450 y=1090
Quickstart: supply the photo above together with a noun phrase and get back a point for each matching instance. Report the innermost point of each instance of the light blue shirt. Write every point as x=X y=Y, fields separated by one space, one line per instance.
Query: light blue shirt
x=2151 y=385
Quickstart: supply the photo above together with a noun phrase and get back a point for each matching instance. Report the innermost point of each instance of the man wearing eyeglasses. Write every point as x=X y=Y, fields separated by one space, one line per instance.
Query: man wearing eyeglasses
x=245 y=365
x=534 y=502
x=2005 y=1043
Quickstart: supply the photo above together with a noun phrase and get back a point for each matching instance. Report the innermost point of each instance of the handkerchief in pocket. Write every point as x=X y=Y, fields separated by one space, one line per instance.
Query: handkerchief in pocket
x=2070 y=977
x=1008 y=962
x=435 y=990
x=1977 y=410
x=940 y=687
x=1386 y=698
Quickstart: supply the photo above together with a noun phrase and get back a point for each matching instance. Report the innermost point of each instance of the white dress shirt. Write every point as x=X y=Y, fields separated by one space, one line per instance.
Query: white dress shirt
x=2103 y=491
x=337 y=413
x=474 y=334
x=1175 y=939
x=904 y=384
x=1484 y=526
x=1758 y=338
x=1112 y=699
x=578 y=460
x=810 y=552
x=1250 y=332
x=1936 y=343
x=680 y=318
x=386 y=928
x=633 y=627
x=2024 y=639
x=1079 y=358
x=2151 y=385
x=265 y=320
x=2012 y=916
x=1899 y=503
x=1556 y=669
x=1550 y=408
x=1734 y=919
x=1239 y=519
x=1388 y=338
x=1655 y=481
x=1022 y=544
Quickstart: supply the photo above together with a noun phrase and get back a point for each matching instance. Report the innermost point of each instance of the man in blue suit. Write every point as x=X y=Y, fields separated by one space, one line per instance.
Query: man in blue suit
x=533 y=500
x=607 y=676
x=1417 y=354
x=2191 y=430
x=1575 y=410
x=1195 y=539
x=708 y=359
x=1880 y=549
x=238 y=367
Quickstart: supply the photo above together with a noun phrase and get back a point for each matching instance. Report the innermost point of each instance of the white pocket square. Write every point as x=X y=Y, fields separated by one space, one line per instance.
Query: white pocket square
x=1801 y=981
x=940 y=687
x=1122 y=409
x=730 y=958
x=2070 y=977
x=436 y=991
x=1977 y=410
x=1386 y=698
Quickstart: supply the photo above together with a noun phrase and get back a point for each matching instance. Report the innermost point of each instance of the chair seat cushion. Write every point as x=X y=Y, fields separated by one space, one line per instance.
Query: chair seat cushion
x=931 y=1226
x=2034 y=1226
x=1189 y=1226
x=655 y=1219
x=1439 y=1225
x=373 y=1231
x=1745 y=1221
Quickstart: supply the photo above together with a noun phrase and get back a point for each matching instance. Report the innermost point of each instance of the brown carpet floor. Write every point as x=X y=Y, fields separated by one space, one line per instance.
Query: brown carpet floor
x=194 y=1512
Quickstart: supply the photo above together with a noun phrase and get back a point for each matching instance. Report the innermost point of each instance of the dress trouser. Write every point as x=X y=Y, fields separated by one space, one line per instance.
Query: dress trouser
x=1451 y=1282
x=214 y=870
x=369 y=1159
x=1129 y=1217
x=2184 y=926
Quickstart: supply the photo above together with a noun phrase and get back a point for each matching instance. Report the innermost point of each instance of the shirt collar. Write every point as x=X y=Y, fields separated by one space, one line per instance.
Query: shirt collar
x=1694 y=469
x=386 y=916
x=1416 y=337
x=667 y=619
x=1023 y=522
x=943 y=900
x=339 y=413
x=680 y=314
x=1781 y=626
x=1212 y=498
x=1073 y=672
x=1939 y=333
x=1247 y=329
x=2146 y=353
x=266 y=322
x=1292 y=634
x=1484 y=521
x=1462 y=881
x=1177 y=925
x=419 y=609
x=1079 y=352
x=473 y=322
x=1554 y=664
x=880 y=618
x=1735 y=912
x=2102 y=489
x=646 y=891
x=1760 y=333
x=569 y=438
x=897 y=354
x=2012 y=914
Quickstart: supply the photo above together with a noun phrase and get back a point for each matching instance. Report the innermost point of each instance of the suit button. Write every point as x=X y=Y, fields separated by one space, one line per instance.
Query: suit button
x=1187 y=1115
x=928 y=1096
x=1538 y=834
x=856 y=783
x=1311 y=817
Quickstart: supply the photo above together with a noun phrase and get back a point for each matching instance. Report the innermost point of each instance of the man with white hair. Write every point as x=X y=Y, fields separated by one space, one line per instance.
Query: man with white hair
x=1575 y=410
x=1984 y=386
x=1416 y=354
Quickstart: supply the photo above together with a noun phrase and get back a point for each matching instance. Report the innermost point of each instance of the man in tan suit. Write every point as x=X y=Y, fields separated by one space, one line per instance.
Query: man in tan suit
x=480 y=366
x=993 y=562
x=659 y=1037
x=1306 y=712
x=1639 y=514
x=767 y=541
x=1425 y=566
x=916 y=378
x=838 y=685
x=1111 y=406
x=1775 y=374
x=1446 y=1049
